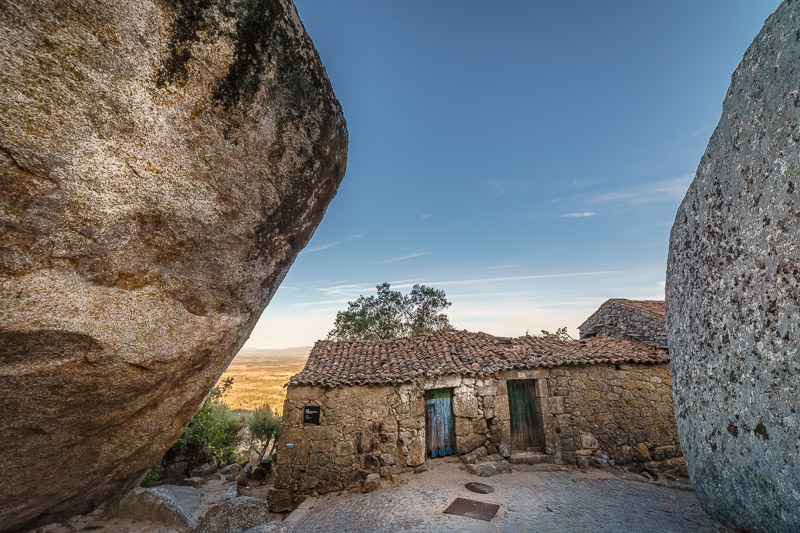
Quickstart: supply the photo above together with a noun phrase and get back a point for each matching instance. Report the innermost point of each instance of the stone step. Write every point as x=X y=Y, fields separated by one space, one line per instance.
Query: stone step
x=530 y=458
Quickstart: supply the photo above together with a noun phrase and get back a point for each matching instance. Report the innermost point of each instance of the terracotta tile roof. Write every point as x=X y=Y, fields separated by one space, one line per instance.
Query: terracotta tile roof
x=333 y=363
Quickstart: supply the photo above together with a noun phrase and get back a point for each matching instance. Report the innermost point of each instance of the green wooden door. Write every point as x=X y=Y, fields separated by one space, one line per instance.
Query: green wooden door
x=439 y=422
x=526 y=428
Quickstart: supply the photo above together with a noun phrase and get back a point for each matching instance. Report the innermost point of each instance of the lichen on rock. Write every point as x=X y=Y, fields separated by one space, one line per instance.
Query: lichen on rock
x=733 y=307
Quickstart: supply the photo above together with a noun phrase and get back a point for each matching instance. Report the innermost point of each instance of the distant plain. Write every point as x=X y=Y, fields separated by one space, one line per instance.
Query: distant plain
x=259 y=377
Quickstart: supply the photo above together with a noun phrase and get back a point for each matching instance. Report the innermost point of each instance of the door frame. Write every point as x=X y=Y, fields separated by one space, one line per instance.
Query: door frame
x=428 y=395
x=531 y=388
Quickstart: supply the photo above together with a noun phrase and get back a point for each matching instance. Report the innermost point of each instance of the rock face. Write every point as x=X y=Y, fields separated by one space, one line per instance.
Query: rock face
x=234 y=515
x=161 y=165
x=733 y=295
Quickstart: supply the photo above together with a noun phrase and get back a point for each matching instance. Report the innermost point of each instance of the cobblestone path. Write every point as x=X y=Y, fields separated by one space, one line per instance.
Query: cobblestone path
x=564 y=501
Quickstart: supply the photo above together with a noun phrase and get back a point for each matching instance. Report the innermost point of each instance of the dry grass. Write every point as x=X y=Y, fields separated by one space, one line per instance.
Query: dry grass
x=261 y=378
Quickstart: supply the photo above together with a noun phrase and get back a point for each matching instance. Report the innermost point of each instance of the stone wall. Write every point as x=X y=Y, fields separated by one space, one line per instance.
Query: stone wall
x=608 y=414
x=363 y=430
x=480 y=412
x=592 y=415
x=368 y=431
x=622 y=322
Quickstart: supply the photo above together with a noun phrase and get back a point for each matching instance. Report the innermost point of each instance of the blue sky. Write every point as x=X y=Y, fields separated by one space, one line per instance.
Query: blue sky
x=526 y=157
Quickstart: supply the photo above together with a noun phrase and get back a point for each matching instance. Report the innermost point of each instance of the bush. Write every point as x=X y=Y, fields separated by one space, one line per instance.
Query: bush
x=214 y=426
x=152 y=476
x=264 y=427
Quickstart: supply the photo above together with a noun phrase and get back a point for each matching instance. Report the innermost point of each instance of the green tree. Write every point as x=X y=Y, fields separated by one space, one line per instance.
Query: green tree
x=265 y=428
x=390 y=314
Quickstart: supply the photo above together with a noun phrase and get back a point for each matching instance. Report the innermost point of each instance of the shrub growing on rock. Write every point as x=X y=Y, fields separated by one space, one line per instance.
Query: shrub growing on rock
x=214 y=426
x=152 y=476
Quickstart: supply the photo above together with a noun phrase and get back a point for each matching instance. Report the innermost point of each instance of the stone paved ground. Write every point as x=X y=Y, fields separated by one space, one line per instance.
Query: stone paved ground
x=530 y=500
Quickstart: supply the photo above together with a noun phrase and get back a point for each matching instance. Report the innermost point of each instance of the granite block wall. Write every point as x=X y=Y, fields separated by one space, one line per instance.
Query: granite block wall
x=612 y=414
x=591 y=415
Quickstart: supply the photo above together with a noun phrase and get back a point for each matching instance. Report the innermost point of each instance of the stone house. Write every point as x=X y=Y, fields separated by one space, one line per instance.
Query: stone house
x=361 y=412
x=635 y=320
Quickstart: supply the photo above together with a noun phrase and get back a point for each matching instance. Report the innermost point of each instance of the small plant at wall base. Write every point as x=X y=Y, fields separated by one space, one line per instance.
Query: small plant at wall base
x=390 y=314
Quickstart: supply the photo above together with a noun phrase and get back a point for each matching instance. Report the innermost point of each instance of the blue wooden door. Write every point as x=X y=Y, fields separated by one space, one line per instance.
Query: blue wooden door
x=439 y=422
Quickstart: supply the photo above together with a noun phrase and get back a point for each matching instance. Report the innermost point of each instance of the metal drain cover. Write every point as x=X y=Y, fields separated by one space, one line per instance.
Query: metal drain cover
x=480 y=488
x=472 y=509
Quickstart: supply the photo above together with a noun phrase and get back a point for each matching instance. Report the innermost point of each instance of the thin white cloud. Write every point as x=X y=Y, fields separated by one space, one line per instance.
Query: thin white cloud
x=355 y=289
x=320 y=248
x=352 y=289
x=667 y=190
x=578 y=215
x=697 y=132
x=577 y=183
x=425 y=216
x=499 y=187
x=338 y=301
x=355 y=236
x=499 y=267
x=319 y=282
x=402 y=258
x=514 y=278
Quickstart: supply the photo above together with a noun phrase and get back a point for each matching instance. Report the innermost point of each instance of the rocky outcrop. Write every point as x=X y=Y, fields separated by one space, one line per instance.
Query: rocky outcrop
x=174 y=506
x=234 y=515
x=733 y=300
x=161 y=165
x=213 y=508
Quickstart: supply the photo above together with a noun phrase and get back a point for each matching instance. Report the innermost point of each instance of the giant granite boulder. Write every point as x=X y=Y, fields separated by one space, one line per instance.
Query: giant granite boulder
x=161 y=165
x=733 y=295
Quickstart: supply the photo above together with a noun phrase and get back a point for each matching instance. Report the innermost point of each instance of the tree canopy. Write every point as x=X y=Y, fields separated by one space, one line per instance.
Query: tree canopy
x=390 y=314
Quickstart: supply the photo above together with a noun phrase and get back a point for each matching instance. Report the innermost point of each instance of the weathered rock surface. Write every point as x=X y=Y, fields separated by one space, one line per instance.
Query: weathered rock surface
x=174 y=506
x=270 y=527
x=372 y=482
x=529 y=458
x=180 y=507
x=489 y=468
x=733 y=295
x=474 y=456
x=161 y=165
x=234 y=515
x=213 y=508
